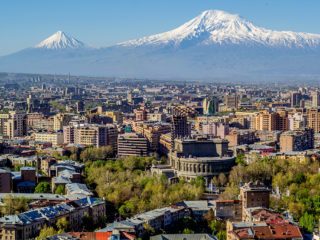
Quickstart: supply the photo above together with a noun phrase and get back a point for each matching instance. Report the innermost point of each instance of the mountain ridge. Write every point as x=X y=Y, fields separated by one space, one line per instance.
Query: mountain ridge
x=221 y=27
x=213 y=45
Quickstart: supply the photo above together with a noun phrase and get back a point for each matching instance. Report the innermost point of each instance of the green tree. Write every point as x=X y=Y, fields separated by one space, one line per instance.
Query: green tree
x=222 y=179
x=13 y=205
x=187 y=231
x=62 y=224
x=307 y=222
x=93 y=154
x=60 y=190
x=46 y=232
x=222 y=235
x=240 y=159
x=43 y=187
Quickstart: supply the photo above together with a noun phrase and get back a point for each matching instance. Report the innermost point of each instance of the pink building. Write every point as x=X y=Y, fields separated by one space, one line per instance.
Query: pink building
x=216 y=129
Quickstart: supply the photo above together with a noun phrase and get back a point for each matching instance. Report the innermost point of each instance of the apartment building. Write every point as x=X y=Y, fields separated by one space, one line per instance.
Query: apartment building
x=27 y=225
x=55 y=138
x=313 y=119
x=132 y=144
x=297 y=140
x=13 y=124
x=91 y=135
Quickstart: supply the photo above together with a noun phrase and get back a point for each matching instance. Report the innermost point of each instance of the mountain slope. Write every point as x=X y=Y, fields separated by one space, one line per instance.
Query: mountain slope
x=218 y=27
x=60 y=40
x=213 y=45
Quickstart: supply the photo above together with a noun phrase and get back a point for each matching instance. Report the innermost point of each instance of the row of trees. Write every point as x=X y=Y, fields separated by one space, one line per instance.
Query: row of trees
x=88 y=154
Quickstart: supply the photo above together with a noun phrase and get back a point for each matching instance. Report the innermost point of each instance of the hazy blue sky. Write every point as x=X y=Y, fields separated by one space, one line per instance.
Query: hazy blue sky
x=99 y=23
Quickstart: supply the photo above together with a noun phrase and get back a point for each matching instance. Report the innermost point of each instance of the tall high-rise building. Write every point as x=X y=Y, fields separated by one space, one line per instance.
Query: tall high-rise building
x=13 y=124
x=315 y=98
x=271 y=121
x=295 y=99
x=210 y=105
x=180 y=126
x=231 y=101
x=80 y=106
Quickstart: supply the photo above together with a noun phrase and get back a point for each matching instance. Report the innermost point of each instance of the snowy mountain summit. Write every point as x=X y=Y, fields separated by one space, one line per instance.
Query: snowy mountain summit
x=219 y=27
x=215 y=45
x=60 y=40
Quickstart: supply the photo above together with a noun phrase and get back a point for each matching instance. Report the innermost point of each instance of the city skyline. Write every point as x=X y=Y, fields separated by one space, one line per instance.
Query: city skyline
x=115 y=22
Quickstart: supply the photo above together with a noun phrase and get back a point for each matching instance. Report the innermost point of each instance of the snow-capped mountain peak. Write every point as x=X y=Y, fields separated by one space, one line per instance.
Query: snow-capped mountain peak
x=60 y=40
x=219 y=27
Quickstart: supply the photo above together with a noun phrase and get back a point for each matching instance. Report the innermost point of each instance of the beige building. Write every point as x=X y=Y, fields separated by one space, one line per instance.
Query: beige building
x=115 y=115
x=91 y=135
x=13 y=124
x=313 y=119
x=231 y=101
x=271 y=121
x=56 y=138
x=152 y=131
x=60 y=120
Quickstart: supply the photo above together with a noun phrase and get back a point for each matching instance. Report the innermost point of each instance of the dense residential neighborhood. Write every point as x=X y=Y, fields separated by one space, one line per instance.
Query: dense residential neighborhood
x=95 y=159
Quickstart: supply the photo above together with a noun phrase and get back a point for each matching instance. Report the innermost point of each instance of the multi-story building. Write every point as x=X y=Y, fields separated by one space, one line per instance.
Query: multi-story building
x=132 y=144
x=5 y=181
x=27 y=225
x=91 y=135
x=201 y=157
x=313 y=119
x=180 y=126
x=252 y=195
x=297 y=121
x=156 y=117
x=231 y=101
x=13 y=124
x=55 y=138
x=295 y=99
x=216 y=129
x=315 y=98
x=278 y=229
x=140 y=114
x=200 y=120
x=80 y=106
x=116 y=116
x=152 y=131
x=60 y=120
x=165 y=142
x=210 y=105
x=270 y=121
x=297 y=140
x=240 y=136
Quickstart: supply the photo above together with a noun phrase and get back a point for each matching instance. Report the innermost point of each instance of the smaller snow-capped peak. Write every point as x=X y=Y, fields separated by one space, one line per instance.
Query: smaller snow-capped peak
x=60 y=40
